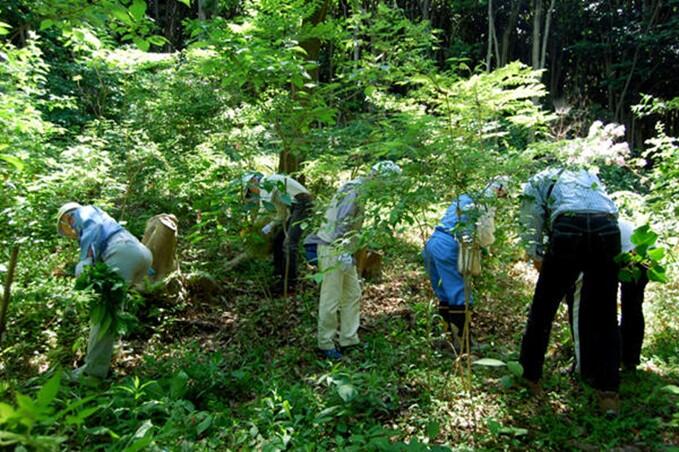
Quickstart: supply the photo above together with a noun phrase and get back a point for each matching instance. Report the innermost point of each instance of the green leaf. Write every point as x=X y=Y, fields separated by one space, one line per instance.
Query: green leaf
x=4 y=28
x=121 y=14
x=489 y=362
x=656 y=254
x=347 y=392
x=672 y=389
x=143 y=437
x=157 y=40
x=433 y=429
x=179 y=385
x=186 y=2
x=16 y=162
x=138 y=9
x=6 y=412
x=49 y=390
x=45 y=24
x=204 y=424
x=515 y=368
x=80 y=416
x=657 y=274
x=369 y=90
x=142 y=44
x=643 y=235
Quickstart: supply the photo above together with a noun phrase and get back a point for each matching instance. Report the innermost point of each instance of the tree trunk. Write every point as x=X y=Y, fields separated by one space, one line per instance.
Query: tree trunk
x=201 y=10
x=425 y=7
x=489 y=52
x=545 y=35
x=635 y=59
x=507 y=33
x=537 y=25
x=289 y=159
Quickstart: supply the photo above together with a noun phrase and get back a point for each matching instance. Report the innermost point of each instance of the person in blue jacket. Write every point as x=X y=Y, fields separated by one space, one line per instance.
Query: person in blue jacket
x=102 y=239
x=463 y=220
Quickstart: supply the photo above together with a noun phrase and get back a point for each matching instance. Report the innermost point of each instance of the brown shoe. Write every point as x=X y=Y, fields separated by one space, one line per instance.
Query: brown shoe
x=609 y=403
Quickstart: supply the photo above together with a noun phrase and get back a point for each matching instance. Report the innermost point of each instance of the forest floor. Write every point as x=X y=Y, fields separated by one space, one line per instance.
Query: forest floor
x=226 y=366
x=256 y=355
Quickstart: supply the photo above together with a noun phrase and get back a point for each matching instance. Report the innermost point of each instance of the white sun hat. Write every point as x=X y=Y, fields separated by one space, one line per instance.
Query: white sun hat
x=66 y=208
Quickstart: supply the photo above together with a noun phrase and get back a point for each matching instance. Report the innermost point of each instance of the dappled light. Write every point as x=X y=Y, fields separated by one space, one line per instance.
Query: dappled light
x=339 y=225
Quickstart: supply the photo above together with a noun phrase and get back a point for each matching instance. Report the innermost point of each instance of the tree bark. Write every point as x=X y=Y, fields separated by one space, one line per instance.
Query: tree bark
x=489 y=52
x=507 y=33
x=621 y=101
x=289 y=159
x=537 y=25
x=545 y=35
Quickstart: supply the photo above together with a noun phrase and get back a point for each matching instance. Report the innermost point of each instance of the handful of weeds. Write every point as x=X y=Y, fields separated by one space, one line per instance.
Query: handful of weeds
x=107 y=308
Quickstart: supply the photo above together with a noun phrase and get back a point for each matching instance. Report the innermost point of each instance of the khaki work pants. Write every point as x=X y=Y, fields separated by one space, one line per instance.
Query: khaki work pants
x=340 y=291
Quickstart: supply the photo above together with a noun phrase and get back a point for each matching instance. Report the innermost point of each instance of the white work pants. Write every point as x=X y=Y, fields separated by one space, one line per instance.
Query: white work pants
x=340 y=291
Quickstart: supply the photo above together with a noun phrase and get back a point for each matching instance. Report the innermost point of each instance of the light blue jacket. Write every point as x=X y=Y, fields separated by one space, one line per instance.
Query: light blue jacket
x=574 y=191
x=94 y=228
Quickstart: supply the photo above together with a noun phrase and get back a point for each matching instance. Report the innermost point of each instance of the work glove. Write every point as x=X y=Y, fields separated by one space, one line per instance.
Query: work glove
x=346 y=260
x=266 y=230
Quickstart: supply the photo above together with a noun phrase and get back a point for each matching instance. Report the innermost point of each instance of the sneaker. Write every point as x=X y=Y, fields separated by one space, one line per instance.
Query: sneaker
x=332 y=354
x=609 y=403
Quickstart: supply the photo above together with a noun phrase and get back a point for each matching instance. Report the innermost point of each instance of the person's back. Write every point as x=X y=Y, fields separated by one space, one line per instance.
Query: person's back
x=573 y=211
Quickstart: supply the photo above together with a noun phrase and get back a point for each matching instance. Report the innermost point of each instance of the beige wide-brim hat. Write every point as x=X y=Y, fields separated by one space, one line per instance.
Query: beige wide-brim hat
x=66 y=208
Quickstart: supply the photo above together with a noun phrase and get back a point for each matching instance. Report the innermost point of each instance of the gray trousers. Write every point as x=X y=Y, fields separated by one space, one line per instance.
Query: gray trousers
x=131 y=260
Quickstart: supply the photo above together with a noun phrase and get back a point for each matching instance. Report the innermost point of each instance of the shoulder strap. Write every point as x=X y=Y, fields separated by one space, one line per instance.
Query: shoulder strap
x=545 y=207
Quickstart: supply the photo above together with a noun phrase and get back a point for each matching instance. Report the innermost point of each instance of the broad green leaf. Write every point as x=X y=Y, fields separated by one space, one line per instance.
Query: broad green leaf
x=299 y=49
x=433 y=429
x=656 y=254
x=138 y=9
x=4 y=28
x=672 y=389
x=142 y=44
x=489 y=362
x=49 y=390
x=347 y=392
x=143 y=437
x=121 y=14
x=204 y=424
x=6 y=412
x=157 y=40
x=45 y=24
x=80 y=416
x=657 y=274
x=186 y=2
x=178 y=385
x=643 y=235
x=16 y=162
x=515 y=368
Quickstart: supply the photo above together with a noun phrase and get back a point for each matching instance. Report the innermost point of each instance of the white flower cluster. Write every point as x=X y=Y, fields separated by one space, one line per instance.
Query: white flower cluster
x=598 y=147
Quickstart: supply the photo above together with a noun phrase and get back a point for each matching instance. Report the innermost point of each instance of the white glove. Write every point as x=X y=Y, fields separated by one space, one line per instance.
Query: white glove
x=346 y=260
x=81 y=266
x=266 y=230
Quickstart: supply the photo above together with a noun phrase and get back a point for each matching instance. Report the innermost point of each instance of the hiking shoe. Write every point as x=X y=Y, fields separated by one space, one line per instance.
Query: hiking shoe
x=332 y=354
x=609 y=403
